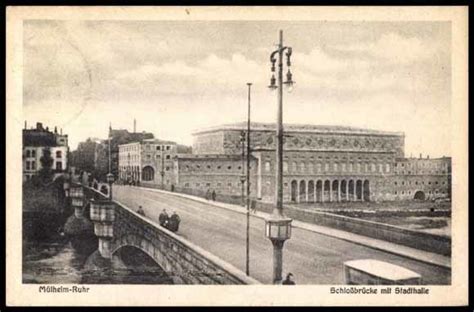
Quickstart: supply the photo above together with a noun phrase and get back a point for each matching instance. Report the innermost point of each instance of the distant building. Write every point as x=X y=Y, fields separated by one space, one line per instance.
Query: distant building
x=320 y=164
x=147 y=160
x=83 y=158
x=35 y=142
x=422 y=178
x=117 y=137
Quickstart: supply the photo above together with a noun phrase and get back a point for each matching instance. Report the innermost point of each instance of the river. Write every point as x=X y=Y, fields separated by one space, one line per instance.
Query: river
x=58 y=262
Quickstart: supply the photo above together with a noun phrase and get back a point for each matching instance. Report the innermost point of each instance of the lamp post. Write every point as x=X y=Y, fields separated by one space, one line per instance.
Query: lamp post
x=247 y=270
x=162 y=172
x=277 y=226
x=242 y=177
x=110 y=176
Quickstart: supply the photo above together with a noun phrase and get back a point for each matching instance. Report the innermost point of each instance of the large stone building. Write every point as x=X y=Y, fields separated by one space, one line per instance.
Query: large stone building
x=321 y=164
x=36 y=142
x=104 y=154
x=147 y=160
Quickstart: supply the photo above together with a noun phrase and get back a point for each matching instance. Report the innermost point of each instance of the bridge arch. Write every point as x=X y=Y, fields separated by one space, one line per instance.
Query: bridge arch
x=143 y=267
x=146 y=246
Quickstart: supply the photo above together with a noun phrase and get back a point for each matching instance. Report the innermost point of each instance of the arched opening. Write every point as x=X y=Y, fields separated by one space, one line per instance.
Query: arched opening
x=294 y=190
x=335 y=190
x=137 y=267
x=351 y=190
x=343 y=190
x=366 y=190
x=302 y=191
x=420 y=195
x=311 y=191
x=148 y=173
x=327 y=188
x=359 y=190
x=319 y=191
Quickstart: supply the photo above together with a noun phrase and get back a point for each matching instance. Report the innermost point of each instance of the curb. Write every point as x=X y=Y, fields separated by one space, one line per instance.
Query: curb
x=305 y=226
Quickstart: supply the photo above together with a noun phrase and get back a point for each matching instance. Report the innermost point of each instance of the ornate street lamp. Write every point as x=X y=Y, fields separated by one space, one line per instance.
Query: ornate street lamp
x=110 y=180
x=277 y=226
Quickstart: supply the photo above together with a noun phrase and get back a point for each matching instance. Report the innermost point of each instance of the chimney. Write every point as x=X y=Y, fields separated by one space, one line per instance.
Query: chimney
x=55 y=130
x=61 y=131
x=26 y=125
x=39 y=126
x=427 y=156
x=421 y=156
x=134 y=125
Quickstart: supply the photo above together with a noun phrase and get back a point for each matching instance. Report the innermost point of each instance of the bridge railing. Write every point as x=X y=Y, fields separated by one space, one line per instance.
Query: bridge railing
x=184 y=260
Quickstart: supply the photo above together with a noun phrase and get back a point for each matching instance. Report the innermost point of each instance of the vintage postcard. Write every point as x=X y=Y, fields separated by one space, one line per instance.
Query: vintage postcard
x=203 y=156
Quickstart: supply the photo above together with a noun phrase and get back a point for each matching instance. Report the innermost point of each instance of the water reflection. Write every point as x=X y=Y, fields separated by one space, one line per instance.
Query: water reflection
x=60 y=263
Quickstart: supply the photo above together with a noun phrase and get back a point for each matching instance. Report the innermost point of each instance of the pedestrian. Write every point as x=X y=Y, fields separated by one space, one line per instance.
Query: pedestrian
x=140 y=211
x=289 y=280
x=163 y=218
x=208 y=194
x=174 y=222
x=213 y=195
x=253 y=206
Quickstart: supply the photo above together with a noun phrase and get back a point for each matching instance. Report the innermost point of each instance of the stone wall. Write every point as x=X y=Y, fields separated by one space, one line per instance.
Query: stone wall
x=221 y=174
x=411 y=238
x=185 y=262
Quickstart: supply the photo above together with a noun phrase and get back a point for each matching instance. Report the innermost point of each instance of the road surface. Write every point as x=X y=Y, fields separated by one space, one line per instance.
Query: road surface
x=312 y=258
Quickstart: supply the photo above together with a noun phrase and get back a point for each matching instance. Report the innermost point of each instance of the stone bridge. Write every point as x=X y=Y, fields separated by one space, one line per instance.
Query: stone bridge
x=118 y=226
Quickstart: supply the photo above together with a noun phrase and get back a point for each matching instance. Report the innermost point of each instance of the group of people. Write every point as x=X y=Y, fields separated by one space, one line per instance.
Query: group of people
x=132 y=183
x=166 y=221
x=169 y=222
x=211 y=195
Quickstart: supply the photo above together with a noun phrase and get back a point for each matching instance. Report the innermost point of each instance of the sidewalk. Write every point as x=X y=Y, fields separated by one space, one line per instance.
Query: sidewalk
x=408 y=252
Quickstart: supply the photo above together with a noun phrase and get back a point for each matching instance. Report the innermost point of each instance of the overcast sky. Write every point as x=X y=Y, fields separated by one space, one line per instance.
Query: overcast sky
x=175 y=77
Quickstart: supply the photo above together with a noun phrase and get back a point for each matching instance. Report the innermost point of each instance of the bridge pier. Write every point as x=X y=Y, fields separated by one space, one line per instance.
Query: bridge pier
x=102 y=214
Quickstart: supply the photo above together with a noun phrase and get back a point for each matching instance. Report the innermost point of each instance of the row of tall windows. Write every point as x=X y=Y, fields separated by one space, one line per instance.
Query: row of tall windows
x=333 y=167
x=210 y=167
x=418 y=183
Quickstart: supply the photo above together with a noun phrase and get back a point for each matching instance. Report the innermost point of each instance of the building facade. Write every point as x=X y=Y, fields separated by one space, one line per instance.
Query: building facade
x=148 y=160
x=320 y=164
x=223 y=174
x=330 y=163
x=36 y=142
x=422 y=178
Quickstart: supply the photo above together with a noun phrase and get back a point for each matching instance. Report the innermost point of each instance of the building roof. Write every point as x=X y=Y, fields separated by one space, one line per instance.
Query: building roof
x=211 y=156
x=158 y=141
x=39 y=137
x=155 y=141
x=260 y=126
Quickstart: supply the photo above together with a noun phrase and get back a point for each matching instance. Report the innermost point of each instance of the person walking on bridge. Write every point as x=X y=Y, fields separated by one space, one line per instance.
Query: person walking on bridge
x=141 y=211
x=174 y=221
x=163 y=218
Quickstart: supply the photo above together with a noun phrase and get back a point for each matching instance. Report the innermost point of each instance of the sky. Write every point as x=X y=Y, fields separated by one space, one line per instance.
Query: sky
x=175 y=77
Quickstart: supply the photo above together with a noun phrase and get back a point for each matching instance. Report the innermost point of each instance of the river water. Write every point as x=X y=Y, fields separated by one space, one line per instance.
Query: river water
x=58 y=262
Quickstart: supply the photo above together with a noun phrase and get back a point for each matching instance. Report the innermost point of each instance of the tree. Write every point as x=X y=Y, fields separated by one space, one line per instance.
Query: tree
x=45 y=174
